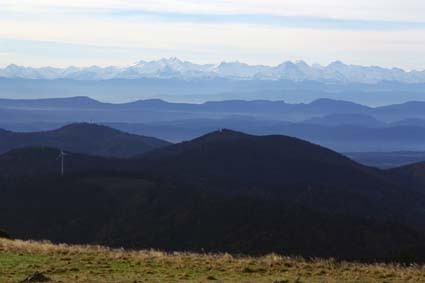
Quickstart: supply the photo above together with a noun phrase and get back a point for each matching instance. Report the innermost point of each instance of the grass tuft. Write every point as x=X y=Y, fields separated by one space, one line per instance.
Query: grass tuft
x=73 y=263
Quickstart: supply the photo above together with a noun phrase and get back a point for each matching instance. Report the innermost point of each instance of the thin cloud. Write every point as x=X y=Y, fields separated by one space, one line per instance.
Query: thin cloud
x=386 y=10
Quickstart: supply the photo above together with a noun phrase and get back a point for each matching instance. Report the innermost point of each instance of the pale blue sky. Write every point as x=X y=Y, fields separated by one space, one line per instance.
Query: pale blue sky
x=389 y=33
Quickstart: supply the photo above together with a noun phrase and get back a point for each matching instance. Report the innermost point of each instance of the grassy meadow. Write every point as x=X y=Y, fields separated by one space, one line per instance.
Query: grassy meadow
x=66 y=263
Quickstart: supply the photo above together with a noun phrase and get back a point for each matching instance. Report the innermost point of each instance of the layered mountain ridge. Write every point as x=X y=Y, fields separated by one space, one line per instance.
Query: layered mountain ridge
x=340 y=125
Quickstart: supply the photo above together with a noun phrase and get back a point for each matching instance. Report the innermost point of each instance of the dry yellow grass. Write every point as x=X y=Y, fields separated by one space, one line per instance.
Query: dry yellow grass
x=65 y=263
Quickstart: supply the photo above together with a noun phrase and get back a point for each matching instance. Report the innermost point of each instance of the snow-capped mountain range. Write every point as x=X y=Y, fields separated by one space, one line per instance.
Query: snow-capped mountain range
x=174 y=68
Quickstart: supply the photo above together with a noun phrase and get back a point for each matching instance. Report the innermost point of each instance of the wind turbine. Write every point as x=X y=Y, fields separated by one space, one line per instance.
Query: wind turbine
x=61 y=156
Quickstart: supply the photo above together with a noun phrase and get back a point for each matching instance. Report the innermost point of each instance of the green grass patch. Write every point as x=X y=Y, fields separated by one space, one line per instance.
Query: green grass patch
x=63 y=263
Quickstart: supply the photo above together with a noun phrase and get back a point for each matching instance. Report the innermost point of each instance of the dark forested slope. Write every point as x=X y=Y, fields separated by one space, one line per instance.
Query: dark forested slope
x=226 y=191
x=83 y=138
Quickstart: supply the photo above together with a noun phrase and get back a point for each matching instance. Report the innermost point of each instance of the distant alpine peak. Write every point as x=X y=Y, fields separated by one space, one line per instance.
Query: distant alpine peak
x=336 y=63
x=176 y=68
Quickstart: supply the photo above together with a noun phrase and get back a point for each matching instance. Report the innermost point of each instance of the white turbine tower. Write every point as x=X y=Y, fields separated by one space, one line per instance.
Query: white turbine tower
x=61 y=156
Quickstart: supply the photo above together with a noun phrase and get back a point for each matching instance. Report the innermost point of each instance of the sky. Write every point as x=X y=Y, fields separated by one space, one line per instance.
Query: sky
x=388 y=33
